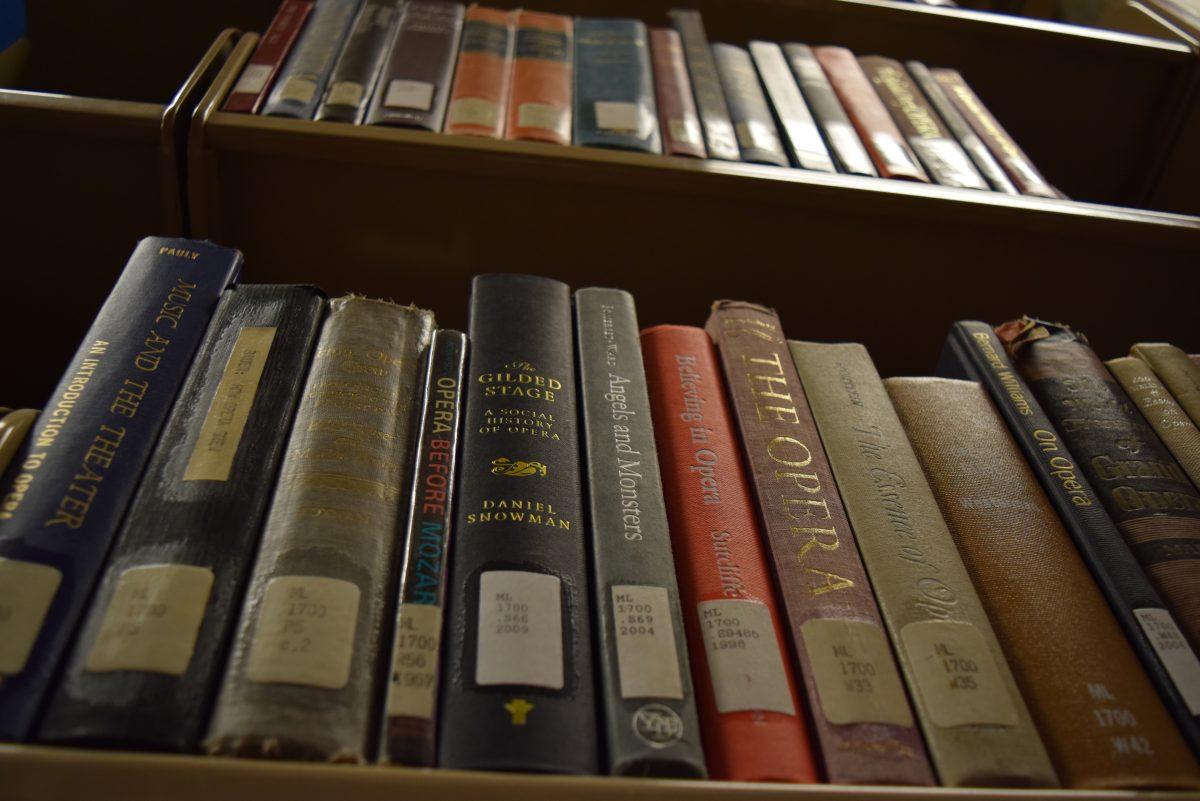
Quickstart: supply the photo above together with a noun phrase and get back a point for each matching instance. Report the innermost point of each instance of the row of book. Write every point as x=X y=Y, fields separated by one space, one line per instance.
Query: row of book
x=254 y=521
x=614 y=83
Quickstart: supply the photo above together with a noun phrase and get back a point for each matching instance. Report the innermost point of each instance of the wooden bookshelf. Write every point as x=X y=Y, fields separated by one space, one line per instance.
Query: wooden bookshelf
x=36 y=774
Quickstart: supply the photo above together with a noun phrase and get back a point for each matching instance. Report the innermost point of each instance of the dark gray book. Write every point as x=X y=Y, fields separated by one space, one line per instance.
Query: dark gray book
x=757 y=137
x=414 y=86
x=799 y=130
x=706 y=84
x=301 y=82
x=304 y=672
x=650 y=723
x=844 y=145
x=976 y=149
x=357 y=69
x=146 y=661
x=614 y=91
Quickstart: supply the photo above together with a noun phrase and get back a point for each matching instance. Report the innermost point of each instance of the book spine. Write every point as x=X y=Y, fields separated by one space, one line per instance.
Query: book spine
x=757 y=137
x=479 y=98
x=614 y=90
x=745 y=691
x=800 y=133
x=69 y=485
x=542 y=79
x=1161 y=410
x=650 y=722
x=414 y=83
x=1101 y=719
x=357 y=69
x=892 y=156
x=300 y=84
x=14 y=428
x=303 y=673
x=1176 y=371
x=719 y=136
x=144 y=665
x=1018 y=166
x=410 y=707
x=678 y=121
x=973 y=351
x=865 y=732
x=977 y=728
x=845 y=147
x=251 y=89
x=1143 y=488
x=985 y=162
x=940 y=153
x=518 y=686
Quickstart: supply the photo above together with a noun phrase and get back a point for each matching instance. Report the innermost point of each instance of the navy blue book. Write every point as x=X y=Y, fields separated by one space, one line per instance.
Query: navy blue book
x=67 y=489
x=614 y=90
x=144 y=666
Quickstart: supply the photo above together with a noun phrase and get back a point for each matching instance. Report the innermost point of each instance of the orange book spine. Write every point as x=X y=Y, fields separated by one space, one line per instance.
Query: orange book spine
x=751 y=717
x=479 y=99
x=540 y=104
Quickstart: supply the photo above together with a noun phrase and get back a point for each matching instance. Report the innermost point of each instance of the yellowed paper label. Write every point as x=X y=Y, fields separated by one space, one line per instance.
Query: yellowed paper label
x=345 y=93
x=305 y=632
x=417 y=95
x=413 y=688
x=26 y=590
x=744 y=659
x=956 y=676
x=473 y=111
x=856 y=677
x=253 y=78
x=647 y=660
x=298 y=89
x=540 y=115
x=213 y=454
x=520 y=629
x=752 y=134
x=152 y=620
x=686 y=131
x=616 y=116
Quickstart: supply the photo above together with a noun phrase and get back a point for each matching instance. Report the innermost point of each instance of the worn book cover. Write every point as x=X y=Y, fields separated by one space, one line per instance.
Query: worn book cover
x=518 y=690
x=1161 y=410
x=650 y=722
x=409 y=735
x=753 y=123
x=751 y=714
x=67 y=487
x=301 y=82
x=414 y=84
x=1099 y=716
x=145 y=663
x=479 y=97
x=542 y=79
x=305 y=669
x=719 y=137
x=1177 y=372
x=977 y=728
x=257 y=76
x=614 y=89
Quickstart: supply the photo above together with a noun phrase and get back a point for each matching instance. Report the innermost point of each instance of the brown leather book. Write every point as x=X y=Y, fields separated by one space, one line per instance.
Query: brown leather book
x=1099 y=717
x=1177 y=372
x=891 y=154
x=677 y=117
x=1161 y=410
x=865 y=731
x=1141 y=486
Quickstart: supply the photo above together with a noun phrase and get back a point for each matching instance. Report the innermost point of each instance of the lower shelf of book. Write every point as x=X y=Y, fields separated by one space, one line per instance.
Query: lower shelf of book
x=28 y=773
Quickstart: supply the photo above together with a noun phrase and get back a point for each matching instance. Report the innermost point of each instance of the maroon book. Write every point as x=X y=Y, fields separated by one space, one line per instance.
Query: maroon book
x=864 y=726
x=680 y=124
x=891 y=154
x=251 y=89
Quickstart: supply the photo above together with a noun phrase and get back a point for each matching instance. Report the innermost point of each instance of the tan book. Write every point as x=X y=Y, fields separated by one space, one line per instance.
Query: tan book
x=1100 y=718
x=1161 y=410
x=1178 y=372
x=977 y=728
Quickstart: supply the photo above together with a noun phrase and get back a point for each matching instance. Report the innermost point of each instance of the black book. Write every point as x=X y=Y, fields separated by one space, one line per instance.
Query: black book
x=410 y=706
x=146 y=661
x=650 y=723
x=349 y=89
x=414 y=86
x=706 y=83
x=974 y=352
x=518 y=687
x=844 y=145
x=753 y=122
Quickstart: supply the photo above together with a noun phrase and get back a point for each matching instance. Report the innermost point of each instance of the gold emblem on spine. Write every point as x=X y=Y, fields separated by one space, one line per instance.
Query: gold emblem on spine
x=519 y=709
x=507 y=467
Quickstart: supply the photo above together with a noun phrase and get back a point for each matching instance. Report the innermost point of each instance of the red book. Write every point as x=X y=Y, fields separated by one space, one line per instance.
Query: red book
x=540 y=105
x=751 y=720
x=890 y=152
x=678 y=120
x=251 y=89
x=480 y=94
